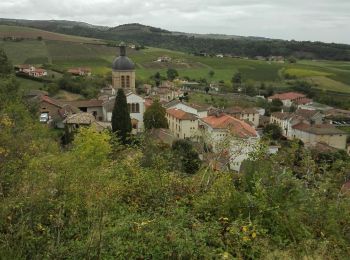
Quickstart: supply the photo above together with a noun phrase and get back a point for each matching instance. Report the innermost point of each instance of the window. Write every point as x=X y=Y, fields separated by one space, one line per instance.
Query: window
x=128 y=81
x=134 y=108
x=123 y=82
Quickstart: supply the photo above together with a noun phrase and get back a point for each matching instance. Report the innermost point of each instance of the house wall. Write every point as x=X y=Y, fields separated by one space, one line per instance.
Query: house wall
x=253 y=118
x=337 y=141
x=51 y=109
x=98 y=110
x=240 y=151
x=182 y=128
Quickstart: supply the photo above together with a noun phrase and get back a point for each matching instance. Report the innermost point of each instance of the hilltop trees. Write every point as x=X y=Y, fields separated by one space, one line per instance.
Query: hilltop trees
x=121 y=122
x=154 y=116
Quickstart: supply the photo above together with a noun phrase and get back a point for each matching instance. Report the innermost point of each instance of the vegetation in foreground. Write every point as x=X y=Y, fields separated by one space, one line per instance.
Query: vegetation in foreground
x=99 y=199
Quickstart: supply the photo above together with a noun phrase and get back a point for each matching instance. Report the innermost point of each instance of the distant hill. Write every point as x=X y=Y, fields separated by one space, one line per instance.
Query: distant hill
x=8 y=32
x=193 y=43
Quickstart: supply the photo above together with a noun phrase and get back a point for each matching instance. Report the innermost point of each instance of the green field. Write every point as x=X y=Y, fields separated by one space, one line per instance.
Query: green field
x=328 y=75
x=32 y=33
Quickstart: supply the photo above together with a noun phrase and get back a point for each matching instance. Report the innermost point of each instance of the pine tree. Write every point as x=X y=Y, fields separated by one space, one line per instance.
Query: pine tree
x=5 y=65
x=121 y=122
x=154 y=116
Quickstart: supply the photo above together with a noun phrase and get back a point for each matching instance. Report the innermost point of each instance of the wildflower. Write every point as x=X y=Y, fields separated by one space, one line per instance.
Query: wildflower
x=253 y=235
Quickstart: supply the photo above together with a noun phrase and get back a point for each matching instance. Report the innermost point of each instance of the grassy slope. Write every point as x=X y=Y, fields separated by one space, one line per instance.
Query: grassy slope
x=328 y=75
x=32 y=33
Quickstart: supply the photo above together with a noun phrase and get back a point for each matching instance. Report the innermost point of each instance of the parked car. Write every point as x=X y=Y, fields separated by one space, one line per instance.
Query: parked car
x=44 y=117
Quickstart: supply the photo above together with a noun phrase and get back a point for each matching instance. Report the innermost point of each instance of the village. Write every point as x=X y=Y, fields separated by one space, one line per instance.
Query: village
x=231 y=132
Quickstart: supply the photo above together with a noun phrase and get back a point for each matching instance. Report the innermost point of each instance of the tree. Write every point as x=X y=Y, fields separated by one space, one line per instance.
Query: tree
x=211 y=73
x=154 y=116
x=5 y=65
x=236 y=80
x=172 y=74
x=121 y=122
x=189 y=159
x=157 y=79
x=273 y=130
x=276 y=105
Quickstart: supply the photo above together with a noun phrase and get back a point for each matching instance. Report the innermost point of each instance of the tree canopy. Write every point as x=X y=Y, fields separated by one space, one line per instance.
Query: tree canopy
x=121 y=121
x=154 y=117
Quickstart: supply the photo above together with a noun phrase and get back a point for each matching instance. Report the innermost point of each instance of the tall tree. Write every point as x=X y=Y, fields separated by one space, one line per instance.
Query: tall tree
x=154 y=116
x=236 y=81
x=5 y=65
x=121 y=122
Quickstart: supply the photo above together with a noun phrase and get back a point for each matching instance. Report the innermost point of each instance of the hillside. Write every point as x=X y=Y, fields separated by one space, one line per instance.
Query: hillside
x=194 y=43
x=17 y=32
x=73 y=51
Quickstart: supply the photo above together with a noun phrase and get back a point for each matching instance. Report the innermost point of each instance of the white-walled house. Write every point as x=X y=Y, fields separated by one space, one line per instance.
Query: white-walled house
x=136 y=105
x=227 y=133
x=198 y=110
x=181 y=123
x=290 y=98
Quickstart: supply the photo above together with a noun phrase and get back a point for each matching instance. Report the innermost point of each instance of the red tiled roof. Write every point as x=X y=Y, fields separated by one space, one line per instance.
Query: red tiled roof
x=85 y=103
x=303 y=101
x=320 y=129
x=180 y=114
x=238 y=127
x=281 y=115
x=51 y=101
x=240 y=110
x=287 y=96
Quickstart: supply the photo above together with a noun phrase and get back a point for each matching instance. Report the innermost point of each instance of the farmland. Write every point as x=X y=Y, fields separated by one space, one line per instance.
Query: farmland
x=75 y=51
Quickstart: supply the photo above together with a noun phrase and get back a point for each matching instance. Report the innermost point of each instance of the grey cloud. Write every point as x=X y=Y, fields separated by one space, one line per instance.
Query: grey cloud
x=325 y=20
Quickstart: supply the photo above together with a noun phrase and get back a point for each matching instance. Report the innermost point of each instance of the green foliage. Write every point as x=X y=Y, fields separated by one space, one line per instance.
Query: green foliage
x=186 y=155
x=5 y=65
x=121 y=122
x=93 y=201
x=274 y=131
x=154 y=117
x=172 y=74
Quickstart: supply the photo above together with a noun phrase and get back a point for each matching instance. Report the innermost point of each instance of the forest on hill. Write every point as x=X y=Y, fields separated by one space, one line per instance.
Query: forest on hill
x=192 y=43
x=99 y=199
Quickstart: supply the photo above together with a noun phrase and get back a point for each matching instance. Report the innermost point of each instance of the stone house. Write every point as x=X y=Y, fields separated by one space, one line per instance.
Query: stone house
x=249 y=114
x=227 y=135
x=182 y=124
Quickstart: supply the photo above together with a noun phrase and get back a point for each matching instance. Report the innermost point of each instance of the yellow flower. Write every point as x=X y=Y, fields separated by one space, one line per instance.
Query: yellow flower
x=254 y=235
x=225 y=255
x=245 y=239
x=244 y=228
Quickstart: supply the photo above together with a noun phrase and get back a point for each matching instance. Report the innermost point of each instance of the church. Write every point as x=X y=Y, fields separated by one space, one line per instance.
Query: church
x=123 y=72
x=123 y=76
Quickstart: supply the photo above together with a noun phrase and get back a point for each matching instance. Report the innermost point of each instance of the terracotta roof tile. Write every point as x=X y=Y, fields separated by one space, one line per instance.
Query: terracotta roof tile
x=85 y=103
x=238 y=127
x=320 y=129
x=180 y=114
x=287 y=96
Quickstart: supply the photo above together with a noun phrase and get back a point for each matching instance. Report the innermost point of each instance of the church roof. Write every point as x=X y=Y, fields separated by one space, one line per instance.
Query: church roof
x=123 y=62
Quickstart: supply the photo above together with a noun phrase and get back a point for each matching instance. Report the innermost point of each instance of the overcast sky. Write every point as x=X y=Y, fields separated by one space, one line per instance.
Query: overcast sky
x=322 y=20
